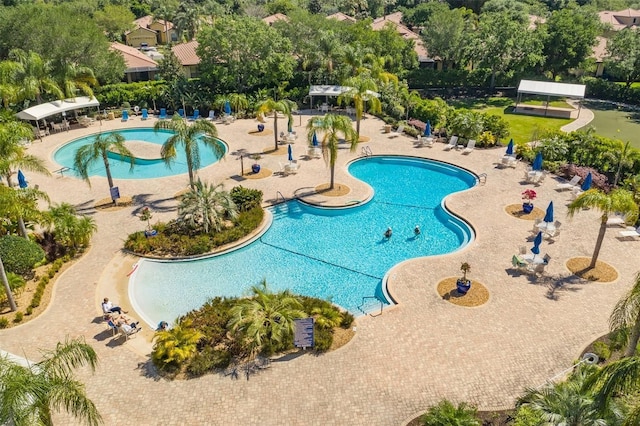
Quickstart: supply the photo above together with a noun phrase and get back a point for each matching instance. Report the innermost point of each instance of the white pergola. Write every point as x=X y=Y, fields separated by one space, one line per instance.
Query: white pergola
x=42 y=111
x=550 y=88
x=327 y=91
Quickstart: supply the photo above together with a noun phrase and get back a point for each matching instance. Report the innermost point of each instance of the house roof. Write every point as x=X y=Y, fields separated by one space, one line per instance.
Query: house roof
x=341 y=17
x=395 y=17
x=551 y=88
x=600 y=49
x=620 y=19
x=186 y=53
x=135 y=60
x=145 y=21
x=149 y=30
x=405 y=32
x=269 y=20
x=41 y=111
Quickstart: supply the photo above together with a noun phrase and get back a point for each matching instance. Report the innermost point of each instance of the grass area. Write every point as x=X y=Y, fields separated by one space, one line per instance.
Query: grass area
x=615 y=122
x=522 y=128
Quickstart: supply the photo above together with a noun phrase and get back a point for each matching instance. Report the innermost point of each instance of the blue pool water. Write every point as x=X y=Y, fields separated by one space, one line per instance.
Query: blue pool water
x=328 y=253
x=144 y=169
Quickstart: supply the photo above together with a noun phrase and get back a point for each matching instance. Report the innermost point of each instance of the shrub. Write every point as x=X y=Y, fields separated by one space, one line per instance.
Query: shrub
x=447 y=413
x=602 y=350
x=347 y=320
x=245 y=198
x=323 y=339
x=19 y=316
x=598 y=180
x=28 y=311
x=208 y=360
x=527 y=416
x=4 y=323
x=19 y=255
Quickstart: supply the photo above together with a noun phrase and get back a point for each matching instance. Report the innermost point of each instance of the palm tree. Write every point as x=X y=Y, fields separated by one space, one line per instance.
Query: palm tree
x=88 y=154
x=445 y=413
x=266 y=319
x=284 y=106
x=618 y=378
x=74 y=78
x=70 y=230
x=626 y=315
x=8 y=292
x=238 y=102
x=174 y=346
x=187 y=135
x=207 y=206
x=18 y=204
x=331 y=126
x=9 y=87
x=30 y=395
x=618 y=200
x=362 y=91
x=12 y=153
x=34 y=76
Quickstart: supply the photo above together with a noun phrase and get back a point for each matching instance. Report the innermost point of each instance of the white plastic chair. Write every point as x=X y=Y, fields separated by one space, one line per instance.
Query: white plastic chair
x=453 y=142
x=470 y=146
x=568 y=185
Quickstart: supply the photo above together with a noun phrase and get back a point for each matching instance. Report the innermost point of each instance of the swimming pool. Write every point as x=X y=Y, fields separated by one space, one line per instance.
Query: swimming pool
x=339 y=254
x=144 y=169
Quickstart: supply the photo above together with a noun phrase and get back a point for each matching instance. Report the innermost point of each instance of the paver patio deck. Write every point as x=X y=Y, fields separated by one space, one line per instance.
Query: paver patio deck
x=399 y=363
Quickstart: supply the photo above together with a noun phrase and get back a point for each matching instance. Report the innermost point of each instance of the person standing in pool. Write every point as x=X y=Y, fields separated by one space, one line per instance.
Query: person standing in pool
x=388 y=233
x=416 y=231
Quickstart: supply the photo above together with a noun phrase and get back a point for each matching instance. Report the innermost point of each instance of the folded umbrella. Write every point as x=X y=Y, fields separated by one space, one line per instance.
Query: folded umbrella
x=427 y=129
x=537 y=163
x=22 y=181
x=536 y=244
x=227 y=108
x=510 y=148
x=314 y=141
x=548 y=217
x=586 y=185
x=290 y=153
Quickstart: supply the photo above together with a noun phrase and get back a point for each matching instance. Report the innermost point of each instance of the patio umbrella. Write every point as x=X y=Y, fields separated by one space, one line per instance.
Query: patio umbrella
x=537 y=163
x=536 y=244
x=314 y=141
x=290 y=151
x=587 y=182
x=290 y=125
x=427 y=129
x=510 y=148
x=22 y=181
x=548 y=218
x=227 y=108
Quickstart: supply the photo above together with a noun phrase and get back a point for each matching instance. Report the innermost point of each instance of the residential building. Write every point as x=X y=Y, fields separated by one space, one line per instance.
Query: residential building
x=146 y=27
x=189 y=59
x=140 y=67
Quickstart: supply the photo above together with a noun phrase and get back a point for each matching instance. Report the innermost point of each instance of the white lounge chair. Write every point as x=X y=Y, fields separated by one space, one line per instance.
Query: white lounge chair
x=616 y=220
x=568 y=185
x=453 y=142
x=630 y=233
x=399 y=131
x=292 y=168
x=283 y=169
x=470 y=146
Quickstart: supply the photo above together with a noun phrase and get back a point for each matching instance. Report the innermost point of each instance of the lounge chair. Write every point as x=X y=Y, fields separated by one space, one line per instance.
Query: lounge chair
x=509 y=161
x=292 y=168
x=181 y=112
x=283 y=169
x=617 y=220
x=568 y=185
x=519 y=264
x=470 y=146
x=314 y=152
x=453 y=142
x=399 y=131
x=112 y=327
x=145 y=114
x=163 y=114
x=127 y=334
x=630 y=233
x=125 y=115
x=212 y=115
x=196 y=115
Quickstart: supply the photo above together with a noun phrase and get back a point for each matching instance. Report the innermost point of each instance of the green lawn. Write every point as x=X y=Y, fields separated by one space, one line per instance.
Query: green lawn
x=615 y=122
x=522 y=128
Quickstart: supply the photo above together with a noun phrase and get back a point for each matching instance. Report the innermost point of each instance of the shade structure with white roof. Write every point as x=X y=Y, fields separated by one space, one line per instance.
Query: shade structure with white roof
x=330 y=90
x=550 y=88
x=48 y=109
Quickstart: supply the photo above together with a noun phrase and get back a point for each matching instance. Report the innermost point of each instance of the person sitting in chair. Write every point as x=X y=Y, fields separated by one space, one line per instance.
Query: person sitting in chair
x=108 y=308
x=128 y=326
x=388 y=233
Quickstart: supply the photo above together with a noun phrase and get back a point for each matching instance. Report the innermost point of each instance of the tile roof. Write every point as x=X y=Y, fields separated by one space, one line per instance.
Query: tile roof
x=406 y=33
x=186 y=53
x=395 y=17
x=274 y=18
x=133 y=58
x=145 y=21
x=600 y=49
x=341 y=17
x=620 y=19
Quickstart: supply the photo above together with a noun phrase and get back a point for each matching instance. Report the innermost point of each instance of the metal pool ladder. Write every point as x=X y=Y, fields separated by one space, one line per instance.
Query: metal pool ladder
x=278 y=193
x=366 y=312
x=366 y=151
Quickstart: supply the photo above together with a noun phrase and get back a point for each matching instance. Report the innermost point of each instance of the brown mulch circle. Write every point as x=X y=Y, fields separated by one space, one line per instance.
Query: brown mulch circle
x=265 y=132
x=363 y=139
x=476 y=296
x=338 y=190
x=341 y=337
x=282 y=149
x=515 y=210
x=263 y=173
x=602 y=273
x=106 y=204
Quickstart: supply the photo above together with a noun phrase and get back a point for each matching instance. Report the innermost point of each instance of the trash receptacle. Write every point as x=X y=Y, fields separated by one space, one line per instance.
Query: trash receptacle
x=387 y=128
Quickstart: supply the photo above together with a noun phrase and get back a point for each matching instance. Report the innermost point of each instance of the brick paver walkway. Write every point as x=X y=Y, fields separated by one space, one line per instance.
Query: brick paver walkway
x=416 y=353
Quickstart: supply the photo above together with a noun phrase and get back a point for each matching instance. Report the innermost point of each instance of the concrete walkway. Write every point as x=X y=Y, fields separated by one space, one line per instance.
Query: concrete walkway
x=399 y=363
x=586 y=117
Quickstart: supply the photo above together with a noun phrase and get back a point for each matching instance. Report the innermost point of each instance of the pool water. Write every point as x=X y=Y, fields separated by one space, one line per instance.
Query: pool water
x=339 y=254
x=143 y=169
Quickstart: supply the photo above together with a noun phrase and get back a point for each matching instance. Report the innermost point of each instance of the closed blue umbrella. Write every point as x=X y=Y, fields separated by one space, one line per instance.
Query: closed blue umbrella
x=510 y=148
x=536 y=244
x=427 y=129
x=587 y=182
x=227 y=108
x=537 y=163
x=22 y=181
x=290 y=153
x=314 y=141
x=290 y=125
x=549 y=216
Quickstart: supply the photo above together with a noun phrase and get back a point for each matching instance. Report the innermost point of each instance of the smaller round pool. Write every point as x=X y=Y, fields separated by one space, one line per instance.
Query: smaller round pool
x=147 y=166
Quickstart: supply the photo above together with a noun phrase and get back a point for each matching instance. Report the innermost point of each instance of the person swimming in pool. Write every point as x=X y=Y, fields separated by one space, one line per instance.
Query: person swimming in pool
x=416 y=231
x=388 y=233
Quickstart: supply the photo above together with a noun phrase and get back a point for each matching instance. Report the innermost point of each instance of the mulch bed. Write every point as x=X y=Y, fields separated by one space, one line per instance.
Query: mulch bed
x=476 y=296
x=338 y=190
x=341 y=337
x=602 y=273
x=106 y=204
x=515 y=210
x=265 y=132
x=362 y=139
x=263 y=173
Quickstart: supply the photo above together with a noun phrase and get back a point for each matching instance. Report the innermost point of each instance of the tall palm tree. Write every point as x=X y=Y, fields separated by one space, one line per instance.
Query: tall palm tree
x=20 y=204
x=9 y=86
x=284 y=106
x=207 y=206
x=618 y=200
x=74 y=78
x=618 y=378
x=445 y=413
x=626 y=315
x=266 y=319
x=187 y=135
x=7 y=288
x=361 y=92
x=331 y=127
x=13 y=154
x=88 y=154
x=30 y=395
x=34 y=76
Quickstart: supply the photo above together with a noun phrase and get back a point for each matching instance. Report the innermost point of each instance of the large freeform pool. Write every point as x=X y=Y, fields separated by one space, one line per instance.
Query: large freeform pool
x=144 y=168
x=339 y=254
